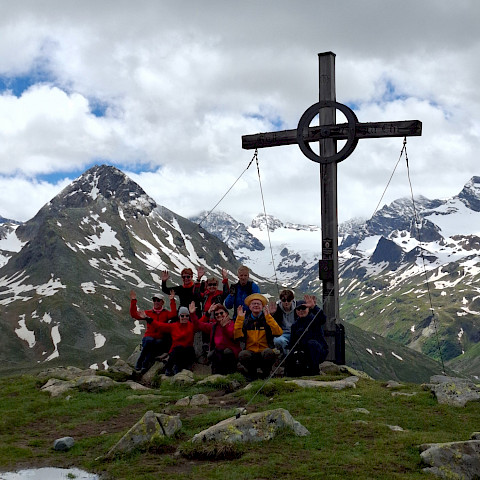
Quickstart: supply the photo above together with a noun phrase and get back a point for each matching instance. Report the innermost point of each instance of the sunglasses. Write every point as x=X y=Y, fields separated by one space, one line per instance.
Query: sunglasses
x=219 y=314
x=301 y=307
x=285 y=300
x=184 y=315
x=212 y=284
x=186 y=276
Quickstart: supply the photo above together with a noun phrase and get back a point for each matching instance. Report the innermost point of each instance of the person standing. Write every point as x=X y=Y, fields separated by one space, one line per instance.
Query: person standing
x=187 y=292
x=240 y=291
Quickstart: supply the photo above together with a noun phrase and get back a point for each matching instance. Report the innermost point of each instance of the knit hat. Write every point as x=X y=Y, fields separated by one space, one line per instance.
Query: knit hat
x=183 y=311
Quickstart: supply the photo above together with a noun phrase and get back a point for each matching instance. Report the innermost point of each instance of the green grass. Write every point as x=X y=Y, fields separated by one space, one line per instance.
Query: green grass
x=343 y=444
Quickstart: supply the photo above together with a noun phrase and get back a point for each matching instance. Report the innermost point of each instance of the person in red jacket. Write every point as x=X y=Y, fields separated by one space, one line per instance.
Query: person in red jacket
x=182 y=353
x=223 y=349
x=154 y=342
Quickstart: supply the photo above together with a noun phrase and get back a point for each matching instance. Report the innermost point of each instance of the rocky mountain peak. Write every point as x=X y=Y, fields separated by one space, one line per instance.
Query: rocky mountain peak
x=227 y=229
x=470 y=194
x=101 y=183
x=261 y=221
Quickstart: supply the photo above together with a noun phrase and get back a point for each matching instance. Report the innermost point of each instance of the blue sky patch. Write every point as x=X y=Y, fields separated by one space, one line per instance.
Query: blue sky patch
x=19 y=84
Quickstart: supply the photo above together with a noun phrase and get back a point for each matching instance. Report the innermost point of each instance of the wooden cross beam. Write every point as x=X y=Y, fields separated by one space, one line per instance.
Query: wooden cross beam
x=404 y=128
x=327 y=134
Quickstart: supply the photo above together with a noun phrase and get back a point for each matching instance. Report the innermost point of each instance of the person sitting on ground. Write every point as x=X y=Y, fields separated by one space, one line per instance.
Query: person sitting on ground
x=240 y=291
x=308 y=347
x=182 y=353
x=187 y=292
x=154 y=341
x=283 y=311
x=223 y=349
x=257 y=328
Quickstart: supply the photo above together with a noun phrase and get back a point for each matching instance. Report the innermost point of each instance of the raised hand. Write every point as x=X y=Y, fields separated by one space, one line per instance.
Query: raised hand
x=272 y=306
x=191 y=307
x=240 y=311
x=133 y=295
x=172 y=295
x=200 y=272
x=224 y=274
x=310 y=300
x=165 y=275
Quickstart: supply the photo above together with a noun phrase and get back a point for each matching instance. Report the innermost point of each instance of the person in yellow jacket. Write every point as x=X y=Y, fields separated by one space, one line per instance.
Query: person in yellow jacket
x=257 y=329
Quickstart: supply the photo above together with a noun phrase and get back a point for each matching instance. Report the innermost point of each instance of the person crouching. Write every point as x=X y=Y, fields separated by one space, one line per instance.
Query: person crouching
x=257 y=329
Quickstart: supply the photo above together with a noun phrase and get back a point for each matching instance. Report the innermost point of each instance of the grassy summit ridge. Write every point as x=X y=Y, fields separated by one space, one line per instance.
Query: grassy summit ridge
x=345 y=442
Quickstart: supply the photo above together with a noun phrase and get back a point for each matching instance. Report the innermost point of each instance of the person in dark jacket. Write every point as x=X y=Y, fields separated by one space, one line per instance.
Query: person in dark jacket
x=187 y=292
x=308 y=348
x=283 y=311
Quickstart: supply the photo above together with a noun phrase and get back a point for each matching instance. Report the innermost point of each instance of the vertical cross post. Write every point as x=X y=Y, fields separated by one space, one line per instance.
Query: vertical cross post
x=327 y=134
x=329 y=206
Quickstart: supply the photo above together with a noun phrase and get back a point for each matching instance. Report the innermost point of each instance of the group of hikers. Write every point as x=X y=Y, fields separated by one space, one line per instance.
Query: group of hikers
x=252 y=339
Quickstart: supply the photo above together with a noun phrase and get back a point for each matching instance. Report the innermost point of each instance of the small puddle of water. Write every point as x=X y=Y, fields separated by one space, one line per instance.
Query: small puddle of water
x=49 y=473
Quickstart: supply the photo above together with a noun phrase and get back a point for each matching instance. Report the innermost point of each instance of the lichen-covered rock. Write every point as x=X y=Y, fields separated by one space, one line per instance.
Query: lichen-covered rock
x=154 y=370
x=255 y=427
x=349 y=382
x=183 y=402
x=65 y=373
x=334 y=369
x=198 y=400
x=453 y=391
x=150 y=427
x=185 y=377
x=459 y=460
x=56 y=387
x=120 y=366
x=94 y=383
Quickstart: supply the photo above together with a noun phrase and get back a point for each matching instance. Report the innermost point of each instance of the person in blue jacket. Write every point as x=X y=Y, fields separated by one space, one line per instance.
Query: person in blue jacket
x=240 y=291
x=308 y=347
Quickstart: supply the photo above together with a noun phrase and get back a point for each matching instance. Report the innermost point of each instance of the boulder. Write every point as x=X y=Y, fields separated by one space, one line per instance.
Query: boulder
x=453 y=391
x=453 y=459
x=185 y=377
x=56 y=387
x=63 y=444
x=154 y=370
x=255 y=427
x=150 y=427
x=349 y=382
x=136 y=386
x=94 y=383
x=120 y=366
x=64 y=373
x=198 y=400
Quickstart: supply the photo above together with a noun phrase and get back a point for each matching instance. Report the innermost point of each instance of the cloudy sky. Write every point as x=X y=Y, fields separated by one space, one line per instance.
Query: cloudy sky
x=165 y=90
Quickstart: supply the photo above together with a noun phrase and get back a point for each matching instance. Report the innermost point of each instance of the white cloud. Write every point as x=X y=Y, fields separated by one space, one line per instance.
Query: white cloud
x=181 y=83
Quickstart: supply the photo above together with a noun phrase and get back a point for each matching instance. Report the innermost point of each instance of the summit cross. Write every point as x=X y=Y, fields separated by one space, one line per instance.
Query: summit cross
x=327 y=133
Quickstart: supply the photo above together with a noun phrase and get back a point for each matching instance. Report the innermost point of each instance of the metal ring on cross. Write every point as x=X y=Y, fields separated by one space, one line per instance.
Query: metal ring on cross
x=310 y=114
